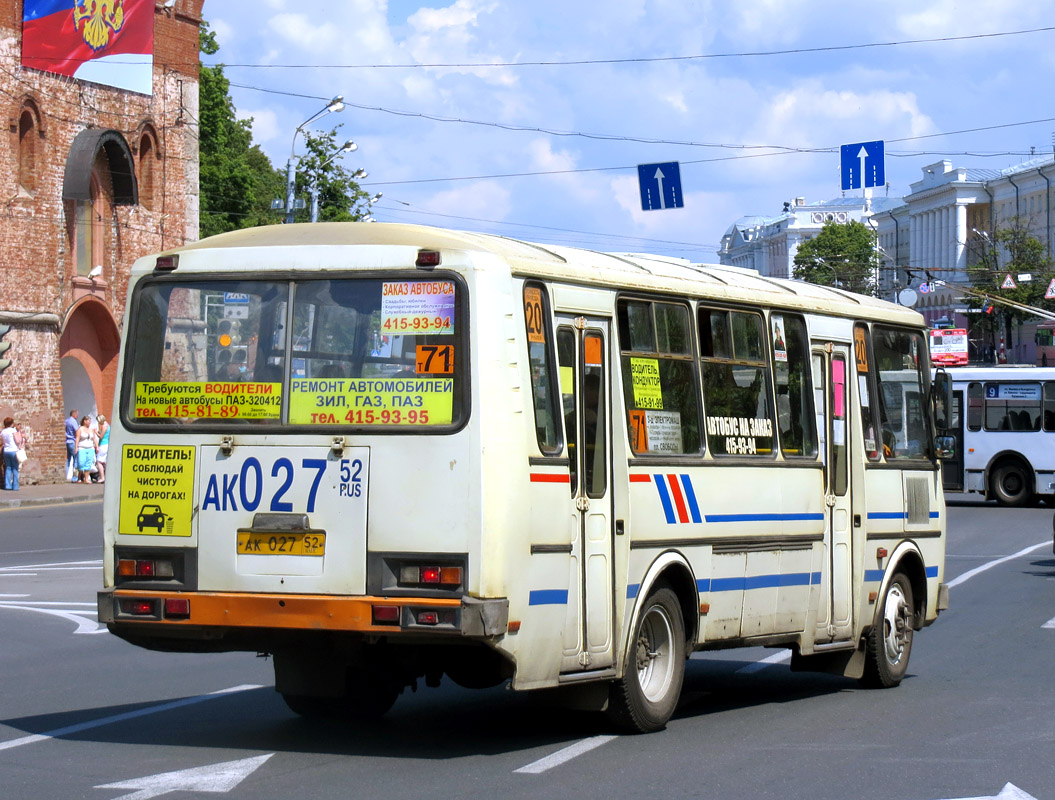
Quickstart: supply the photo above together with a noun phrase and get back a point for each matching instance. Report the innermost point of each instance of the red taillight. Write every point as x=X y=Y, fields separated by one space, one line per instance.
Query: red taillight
x=428 y=618
x=145 y=569
x=177 y=607
x=386 y=615
x=166 y=263
x=138 y=608
x=430 y=574
x=428 y=259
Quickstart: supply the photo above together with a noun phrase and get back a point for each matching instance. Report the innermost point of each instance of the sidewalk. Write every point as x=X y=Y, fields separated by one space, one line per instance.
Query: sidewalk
x=45 y=494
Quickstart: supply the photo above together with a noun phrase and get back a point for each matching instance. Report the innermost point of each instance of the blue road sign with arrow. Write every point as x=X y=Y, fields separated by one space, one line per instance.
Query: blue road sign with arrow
x=863 y=165
x=660 y=186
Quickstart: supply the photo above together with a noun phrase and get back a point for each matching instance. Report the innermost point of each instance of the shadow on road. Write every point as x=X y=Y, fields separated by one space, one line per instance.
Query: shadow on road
x=443 y=723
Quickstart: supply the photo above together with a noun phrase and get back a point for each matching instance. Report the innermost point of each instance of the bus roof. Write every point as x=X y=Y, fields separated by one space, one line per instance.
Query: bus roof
x=638 y=271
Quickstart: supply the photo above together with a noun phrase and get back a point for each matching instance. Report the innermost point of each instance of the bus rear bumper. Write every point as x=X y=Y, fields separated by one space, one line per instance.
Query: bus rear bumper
x=210 y=615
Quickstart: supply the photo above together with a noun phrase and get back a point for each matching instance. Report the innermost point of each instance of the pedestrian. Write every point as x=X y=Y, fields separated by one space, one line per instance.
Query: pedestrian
x=104 y=446
x=71 y=445
x=13 y=441
x=87 y=445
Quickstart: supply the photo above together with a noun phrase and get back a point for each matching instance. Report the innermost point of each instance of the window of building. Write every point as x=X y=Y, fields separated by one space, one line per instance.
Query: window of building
x=28 y=149
x=148 y=156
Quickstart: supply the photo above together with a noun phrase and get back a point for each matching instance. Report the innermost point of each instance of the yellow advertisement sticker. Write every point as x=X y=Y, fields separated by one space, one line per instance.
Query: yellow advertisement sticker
x=644 y=376
x=208 y=400
x=157 y=490
x=371 y=401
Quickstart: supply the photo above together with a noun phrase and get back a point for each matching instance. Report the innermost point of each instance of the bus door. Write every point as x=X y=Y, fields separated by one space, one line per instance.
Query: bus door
x=831 y=370
x=582 y=353
x=952 y=468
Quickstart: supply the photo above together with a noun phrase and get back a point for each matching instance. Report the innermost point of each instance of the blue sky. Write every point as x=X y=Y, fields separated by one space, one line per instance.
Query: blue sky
x=738 y=124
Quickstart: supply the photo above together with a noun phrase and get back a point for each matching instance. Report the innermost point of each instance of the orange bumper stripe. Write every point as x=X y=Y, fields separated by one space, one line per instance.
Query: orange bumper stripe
x=286 y=611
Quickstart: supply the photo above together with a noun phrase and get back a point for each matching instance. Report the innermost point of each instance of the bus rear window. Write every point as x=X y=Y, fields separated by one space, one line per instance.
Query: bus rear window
x=376 y=353
x=207 y=351
x=368 y=353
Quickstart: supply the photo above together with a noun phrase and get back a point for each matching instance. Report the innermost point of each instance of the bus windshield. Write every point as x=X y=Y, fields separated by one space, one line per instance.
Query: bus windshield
x=353 y=352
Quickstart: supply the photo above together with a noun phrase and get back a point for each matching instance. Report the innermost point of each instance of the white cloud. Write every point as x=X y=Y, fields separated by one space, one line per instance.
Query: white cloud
x=265 y=123
x=480 y=199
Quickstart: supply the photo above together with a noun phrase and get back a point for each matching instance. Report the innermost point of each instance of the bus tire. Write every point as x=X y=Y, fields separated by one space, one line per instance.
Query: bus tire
x=647 y=695
x=1009 y=484
x=889 y=643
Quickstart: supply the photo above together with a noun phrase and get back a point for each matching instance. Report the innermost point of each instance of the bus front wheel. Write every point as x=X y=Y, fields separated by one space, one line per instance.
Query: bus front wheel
x=646 y=696
x=1009 y=484
x=889 y=643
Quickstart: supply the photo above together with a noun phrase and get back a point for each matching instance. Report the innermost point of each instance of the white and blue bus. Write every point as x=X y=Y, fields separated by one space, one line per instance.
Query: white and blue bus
x=385 y=453
x=1004 y=423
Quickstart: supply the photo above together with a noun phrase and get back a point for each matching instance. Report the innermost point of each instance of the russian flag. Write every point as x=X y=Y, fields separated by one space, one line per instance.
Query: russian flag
x=94 y=40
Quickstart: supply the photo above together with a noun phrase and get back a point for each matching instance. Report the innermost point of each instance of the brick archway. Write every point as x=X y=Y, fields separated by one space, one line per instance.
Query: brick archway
x=90 y=336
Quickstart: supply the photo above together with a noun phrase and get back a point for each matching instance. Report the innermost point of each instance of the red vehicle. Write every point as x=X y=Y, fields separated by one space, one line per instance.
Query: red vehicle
x=948 y=346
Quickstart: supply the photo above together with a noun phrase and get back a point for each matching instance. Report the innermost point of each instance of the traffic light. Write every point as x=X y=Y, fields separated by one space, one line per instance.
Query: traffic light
x=4 y=347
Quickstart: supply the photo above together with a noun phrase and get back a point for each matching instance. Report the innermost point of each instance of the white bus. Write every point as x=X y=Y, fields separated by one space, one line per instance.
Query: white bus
x=382 y=453
x=1006 y=438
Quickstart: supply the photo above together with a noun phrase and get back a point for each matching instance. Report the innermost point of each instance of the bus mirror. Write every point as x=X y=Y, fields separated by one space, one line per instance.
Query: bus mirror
x=945 y=446
x=941 y=394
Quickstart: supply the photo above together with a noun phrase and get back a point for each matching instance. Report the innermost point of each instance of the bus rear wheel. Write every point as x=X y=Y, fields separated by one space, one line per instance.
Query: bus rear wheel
x=889 y=643
x=1009 y=484
x=646 y=696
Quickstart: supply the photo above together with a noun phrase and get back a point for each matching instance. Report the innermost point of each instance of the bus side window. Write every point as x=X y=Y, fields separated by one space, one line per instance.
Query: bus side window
x=540 y=361
x=1049 y=406
x=793 y=385
x=862 y=348
x=659 y=377
x=974 y=406
x=566 y=369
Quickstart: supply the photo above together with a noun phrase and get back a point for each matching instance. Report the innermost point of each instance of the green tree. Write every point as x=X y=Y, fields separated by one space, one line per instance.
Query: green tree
x=236 y=180
x=340 y=197
x=843 y=255
x=1011 y=250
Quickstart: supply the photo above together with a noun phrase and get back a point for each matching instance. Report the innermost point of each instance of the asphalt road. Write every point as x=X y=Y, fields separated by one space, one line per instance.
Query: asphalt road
x=84 y=715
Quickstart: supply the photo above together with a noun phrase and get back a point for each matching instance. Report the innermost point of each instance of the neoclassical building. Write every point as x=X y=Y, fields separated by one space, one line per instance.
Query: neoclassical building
x=943 y=226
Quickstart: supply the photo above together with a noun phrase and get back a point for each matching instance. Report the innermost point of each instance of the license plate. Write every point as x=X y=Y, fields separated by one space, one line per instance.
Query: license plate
x=281 y=544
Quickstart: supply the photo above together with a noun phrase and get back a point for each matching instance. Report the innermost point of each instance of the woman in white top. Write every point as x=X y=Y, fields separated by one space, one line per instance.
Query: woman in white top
x=12 y=441
x=87 y=444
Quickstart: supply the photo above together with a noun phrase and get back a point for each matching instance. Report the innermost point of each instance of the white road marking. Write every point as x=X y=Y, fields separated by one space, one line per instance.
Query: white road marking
x=75 y=615
x=777 y=658
x=1009 y=792
x=1050 y=624
x=142 y=712
x=566 y=754
x=215 y=778
x=14 y=595
x=995 y=562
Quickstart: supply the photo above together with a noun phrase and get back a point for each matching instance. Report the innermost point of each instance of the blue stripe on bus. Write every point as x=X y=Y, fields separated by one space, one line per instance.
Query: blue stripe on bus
x=886 y=514
x=664 y=497
x=746 y=583
x=934 y=514
x=764 y=517
x=548 y=597
x=874 y=575
x=632 y=590
x=690 y=498
x=932 y=572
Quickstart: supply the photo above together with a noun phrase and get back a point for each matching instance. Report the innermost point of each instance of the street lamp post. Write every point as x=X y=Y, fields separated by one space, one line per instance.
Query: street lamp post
x=336 y=104
x=347 y=147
